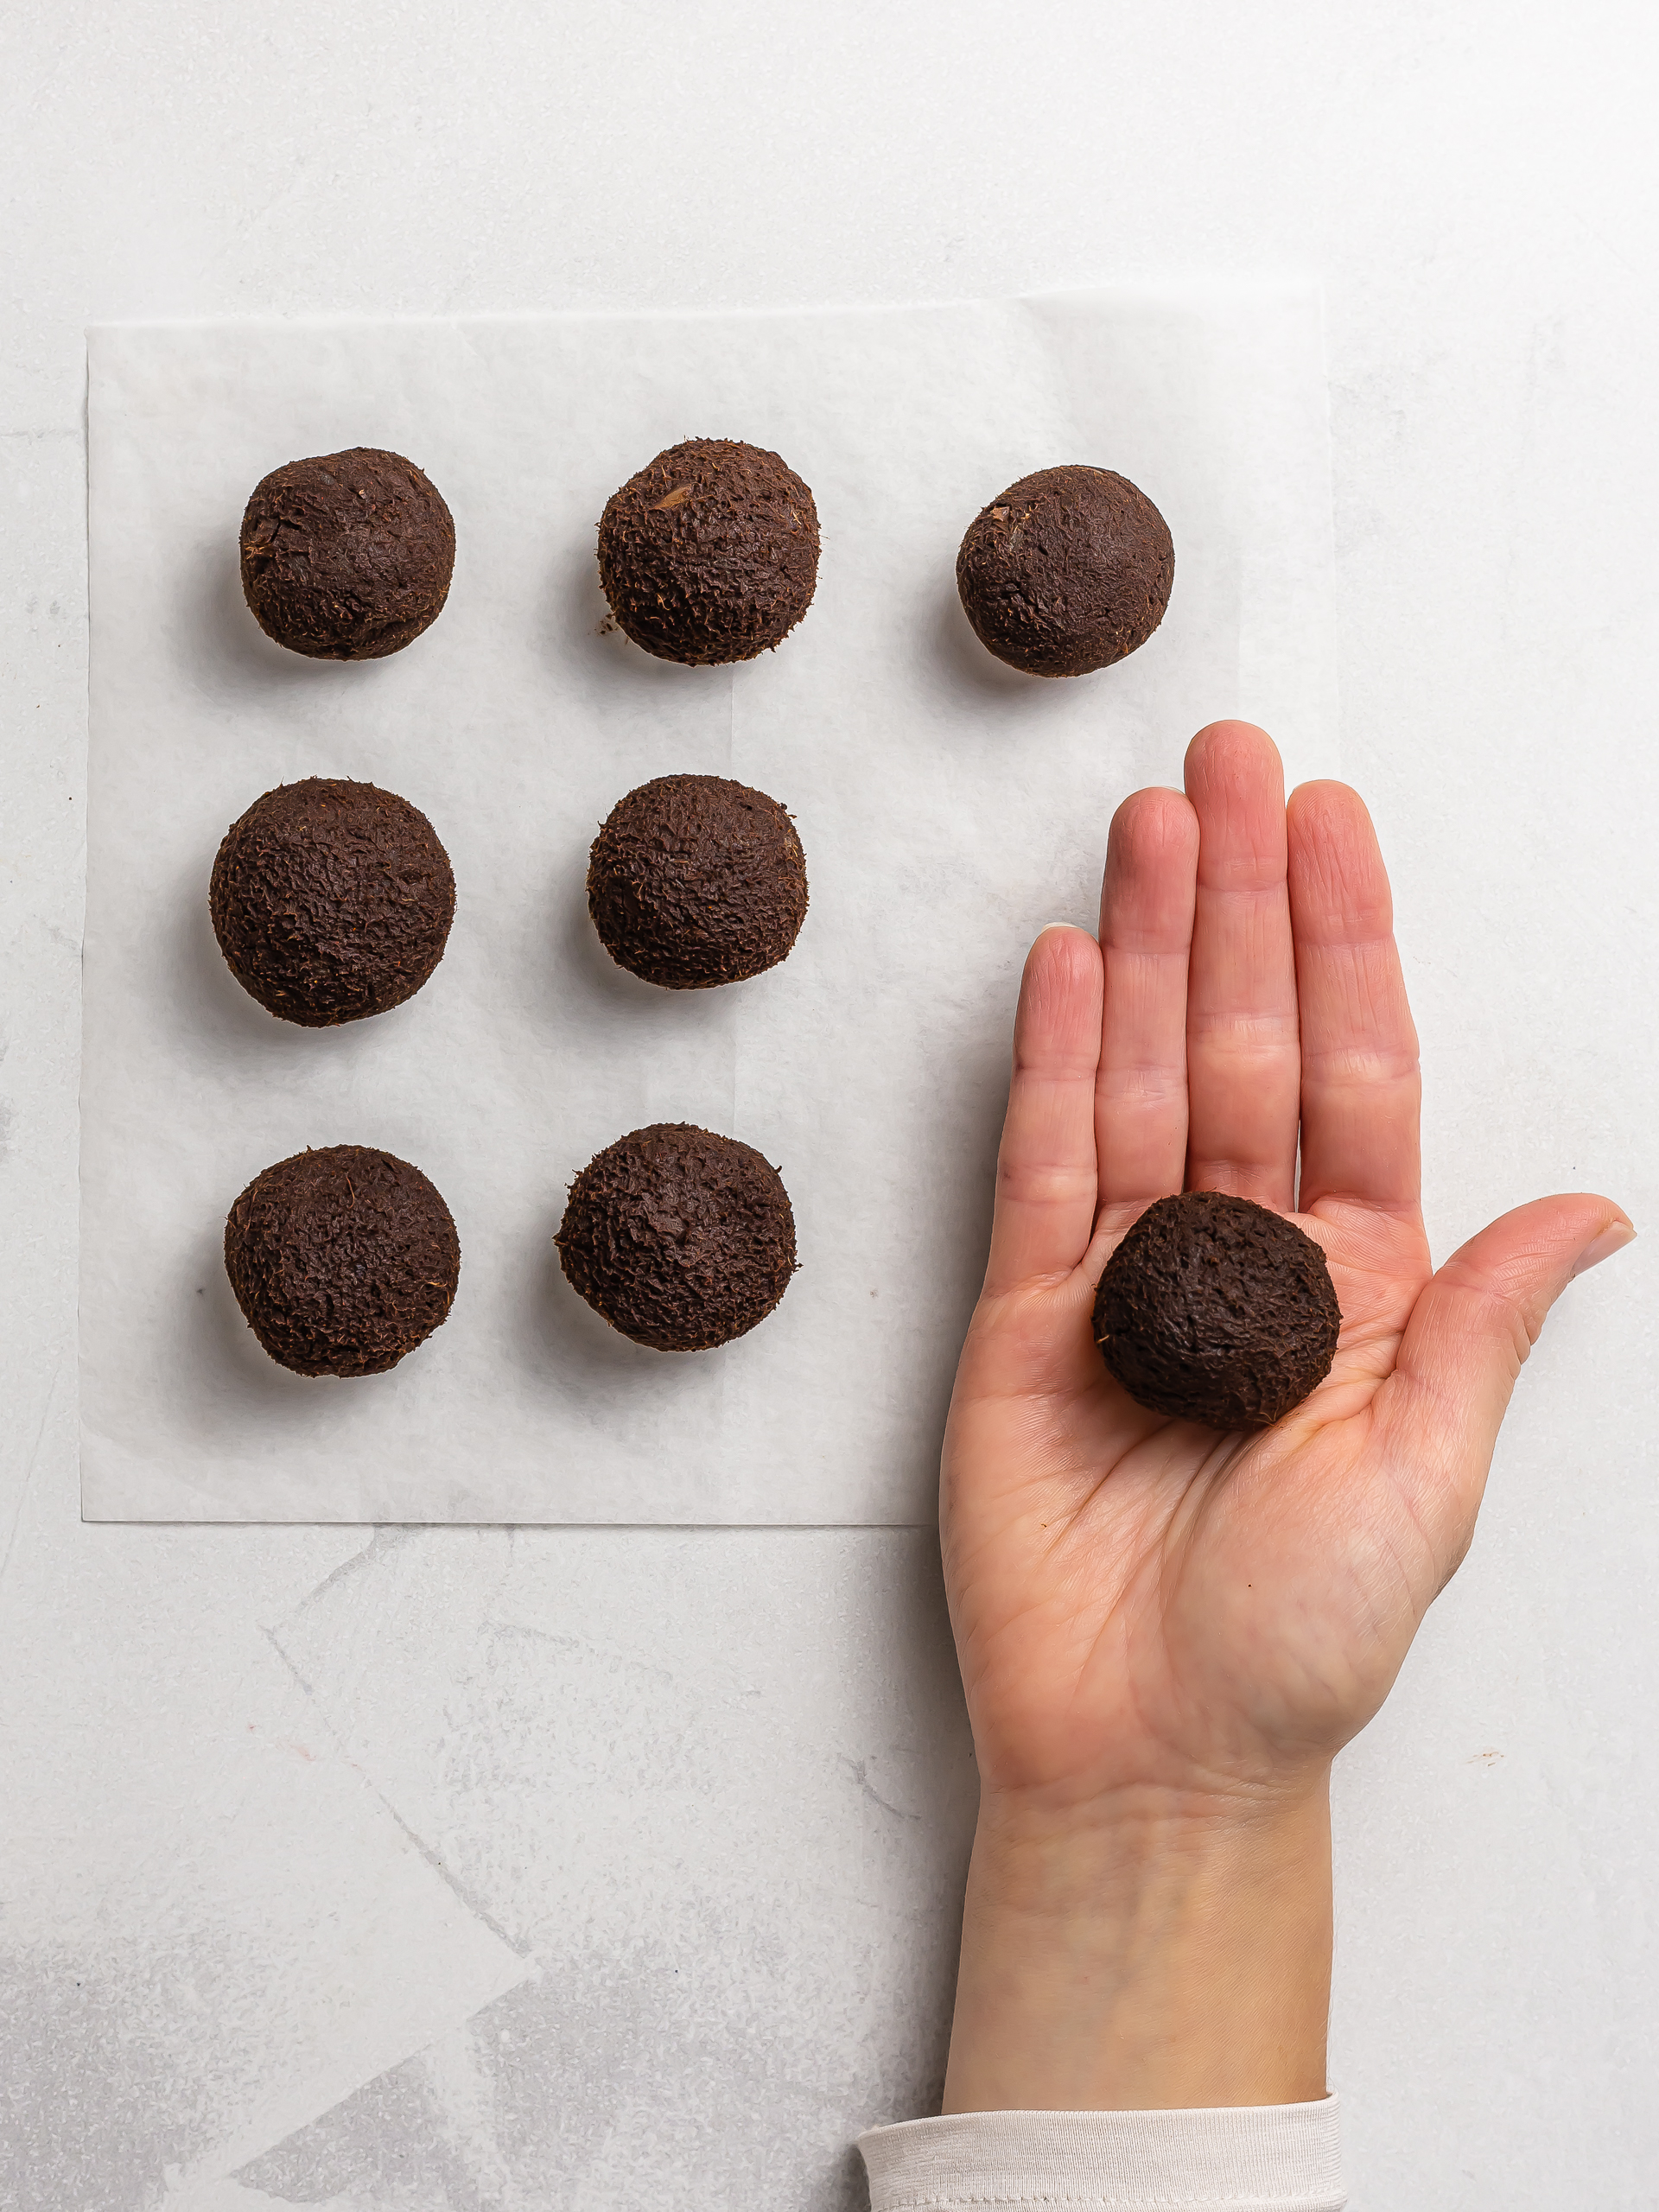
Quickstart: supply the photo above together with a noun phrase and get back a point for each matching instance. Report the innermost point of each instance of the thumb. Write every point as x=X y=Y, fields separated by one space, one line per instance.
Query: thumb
x=1467 y=1340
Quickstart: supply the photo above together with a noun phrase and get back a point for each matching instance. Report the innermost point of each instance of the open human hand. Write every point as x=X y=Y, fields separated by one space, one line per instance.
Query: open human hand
x=1163 y=1631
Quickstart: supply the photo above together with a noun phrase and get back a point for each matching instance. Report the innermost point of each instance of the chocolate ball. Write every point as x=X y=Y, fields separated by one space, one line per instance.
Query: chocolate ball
x=1066 y=571
x=680 y=1238
x=347 y=555
x=1216 y=1310
x=710 y=553
x=342 y=1260
x=695 y=880
x=330 y=900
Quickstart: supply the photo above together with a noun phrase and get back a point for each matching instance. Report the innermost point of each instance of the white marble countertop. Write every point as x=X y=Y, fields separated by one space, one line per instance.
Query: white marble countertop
x=452 y=1869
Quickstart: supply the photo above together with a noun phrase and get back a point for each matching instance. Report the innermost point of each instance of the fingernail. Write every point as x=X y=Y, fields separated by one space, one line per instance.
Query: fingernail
x=1609 y=1241
x=1055 y=925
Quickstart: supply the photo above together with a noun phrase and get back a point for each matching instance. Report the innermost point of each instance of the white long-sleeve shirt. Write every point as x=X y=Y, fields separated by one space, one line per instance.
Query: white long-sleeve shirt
x=1226 y=2159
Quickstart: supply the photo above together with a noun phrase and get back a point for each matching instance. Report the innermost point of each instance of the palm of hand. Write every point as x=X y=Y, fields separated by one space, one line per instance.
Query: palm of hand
x=1140 y=1604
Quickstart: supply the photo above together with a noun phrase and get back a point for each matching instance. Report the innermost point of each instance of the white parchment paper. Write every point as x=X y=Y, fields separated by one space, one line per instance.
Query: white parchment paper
x=947 y=808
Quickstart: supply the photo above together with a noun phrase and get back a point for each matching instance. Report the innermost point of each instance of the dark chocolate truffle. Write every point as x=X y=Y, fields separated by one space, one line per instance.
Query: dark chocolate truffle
x=348 y=556
x=1216 y=1310
x=710 y=553
x=330 y=900
x=1067 y=571
x=681 y=1239
x=342 y=1260
x=694 y=881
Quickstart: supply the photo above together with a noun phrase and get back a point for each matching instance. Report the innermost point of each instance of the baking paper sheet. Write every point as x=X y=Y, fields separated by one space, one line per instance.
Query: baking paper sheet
x=947 y=808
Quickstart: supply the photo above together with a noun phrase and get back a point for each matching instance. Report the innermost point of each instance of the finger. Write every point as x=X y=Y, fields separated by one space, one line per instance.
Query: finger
x=1146 y=938
x=1242 y=1066
x=1466 y=1342
x=1361 y=1090
x=1045 y=1172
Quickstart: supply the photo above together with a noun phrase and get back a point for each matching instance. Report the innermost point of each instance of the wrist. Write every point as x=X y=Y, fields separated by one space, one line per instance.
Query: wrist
x=1153 y=1951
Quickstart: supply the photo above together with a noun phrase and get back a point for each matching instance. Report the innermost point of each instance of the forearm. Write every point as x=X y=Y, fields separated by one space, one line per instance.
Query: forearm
x=1159 y=1956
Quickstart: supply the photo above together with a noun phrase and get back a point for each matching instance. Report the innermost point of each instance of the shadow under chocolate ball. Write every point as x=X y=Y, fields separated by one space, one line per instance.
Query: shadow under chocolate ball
x=1216 y=1310
x=695 y=880
x=681 y=1239
x=1066 y=571
x=347 y=555
x=710 y=553
x=330 y=900
x=342 y=1260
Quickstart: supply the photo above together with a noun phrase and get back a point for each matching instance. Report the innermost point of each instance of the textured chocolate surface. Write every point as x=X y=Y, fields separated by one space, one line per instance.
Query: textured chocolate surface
x=1066 y=571
x=710 y=553
x=682 y=1239
x=1216 y=1310
x=347 y=555
x=330 y=900
x=342 y=1260
x=695 y=880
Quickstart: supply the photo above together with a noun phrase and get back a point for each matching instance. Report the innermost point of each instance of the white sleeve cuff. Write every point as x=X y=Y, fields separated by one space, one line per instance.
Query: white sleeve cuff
x=1228 y=2158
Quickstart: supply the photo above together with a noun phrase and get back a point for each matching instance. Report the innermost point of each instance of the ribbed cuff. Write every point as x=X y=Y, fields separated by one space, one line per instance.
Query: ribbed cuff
x=1225 y=2158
